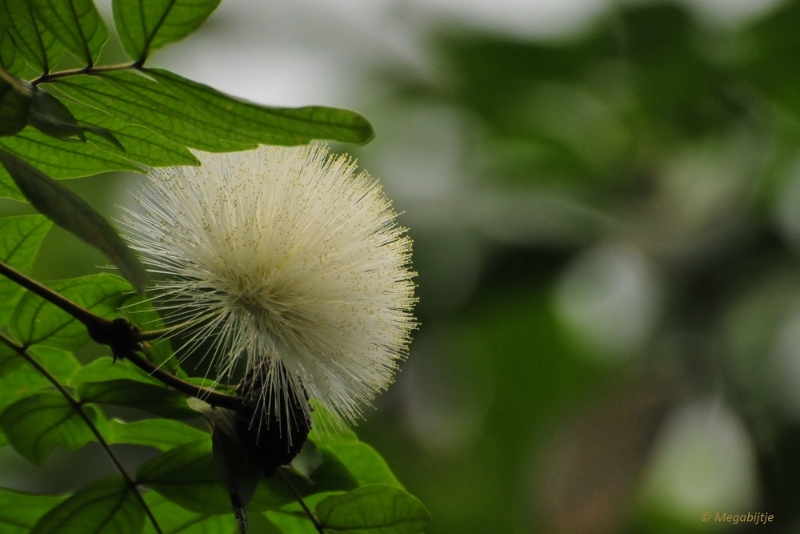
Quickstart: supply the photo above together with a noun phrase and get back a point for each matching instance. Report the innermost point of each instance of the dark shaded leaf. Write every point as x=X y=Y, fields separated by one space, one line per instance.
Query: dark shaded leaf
x=144 y=26
x=139 y=100
x=239 y=470
x=15 y=104
x=108 y=506
x=162 y=434
x=20 y=239
x=76 y=24
x=19 y=511
x=36 y=44
x=37 y=424
x=376 y=509
x=51 y=117
x=75 y=215
x=158 y=400
x=186 y=476
x=106 y=368
x=176 y=520
x=267 y=125
x=140 y=144
x=363 y=463
x=37 y=321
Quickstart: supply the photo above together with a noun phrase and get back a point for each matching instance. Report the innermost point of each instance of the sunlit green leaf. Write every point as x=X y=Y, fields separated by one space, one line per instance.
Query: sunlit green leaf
x=33 y=40
x=163 y=434
x=37 y=424
x=140 y=144
x=106 y=368
x=61 y=364
x=108 y=506
x=186 y=475
x=327 y=430
x=20 y=239
x=75 y=215
x=158 y=400
x=144 y=26
x=364 y=464
x=76 y=24
x=131 y=97
x=174 y=519
x=19 y=511
x=15 y=104
x=267 y=125
x=376 y=509
x=37 y=321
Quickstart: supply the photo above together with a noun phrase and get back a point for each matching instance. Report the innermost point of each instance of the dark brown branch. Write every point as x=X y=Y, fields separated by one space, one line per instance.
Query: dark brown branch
x=76 y=406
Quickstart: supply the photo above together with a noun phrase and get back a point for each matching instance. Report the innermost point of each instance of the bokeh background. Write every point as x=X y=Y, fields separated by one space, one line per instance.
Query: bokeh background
x=604 y=199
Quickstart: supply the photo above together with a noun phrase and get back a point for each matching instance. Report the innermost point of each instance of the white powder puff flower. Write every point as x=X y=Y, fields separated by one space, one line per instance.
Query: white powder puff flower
x=283 y=256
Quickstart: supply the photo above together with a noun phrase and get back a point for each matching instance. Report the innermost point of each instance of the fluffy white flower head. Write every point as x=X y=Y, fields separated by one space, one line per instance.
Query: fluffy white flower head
x=283 y=256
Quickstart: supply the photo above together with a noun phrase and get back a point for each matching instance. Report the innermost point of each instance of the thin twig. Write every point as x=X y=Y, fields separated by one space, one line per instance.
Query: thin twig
x=300 y=500
x=79 y=410
x=50 y=76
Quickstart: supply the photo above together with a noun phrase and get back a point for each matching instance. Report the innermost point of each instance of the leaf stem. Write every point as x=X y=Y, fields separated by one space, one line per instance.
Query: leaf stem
x=303 y=505
x=89 y=69
x=76 y=406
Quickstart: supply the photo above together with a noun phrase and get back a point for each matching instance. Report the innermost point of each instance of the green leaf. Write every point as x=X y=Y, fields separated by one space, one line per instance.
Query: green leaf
x=140 y=144
x=291 y=523
x=10 y=361
x=10 y=59
x=19 y=511
x=108 y=506
x=37 y=45
x=377 y=509
x=144 y=26
x=76 y=24
x=15 y=104
x=364 y=464
x=23 y=380
x=238 y=469
x=176 y=520
x=139 y=310
x=162 y=434
x=158 y=400
x=75 y=215
x=20 y=239
x=139 y=100
x=37 y=424
x=186 y=476
x=37 y=321
x=51 y=117
x=328 y=430
x=275 y=126
x=106 y=368
x=59 y=363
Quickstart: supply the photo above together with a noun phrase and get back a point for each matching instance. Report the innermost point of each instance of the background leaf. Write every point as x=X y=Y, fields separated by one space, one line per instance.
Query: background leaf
x=37 y=45
x=15 y=103
x=105 y=507
x=176 y=520
x=162 y=434
x=364 y=464
x=22 y=380
x=140 y=311
x=10 y=59
x=19 y=511
x=105 y=368
x=72 y=213
x=76 y=24
x=144 y=26
x=51 y=117
x=155 y=399
x=275 y=126
x=37 y=321
x=37 y=424
x=20 y=239
x=377 y=509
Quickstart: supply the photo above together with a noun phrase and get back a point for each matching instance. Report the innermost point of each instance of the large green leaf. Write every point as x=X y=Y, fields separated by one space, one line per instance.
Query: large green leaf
x=76 y=24
x=144 y=26
x=186 y=476
x=108 y=506
x=162 y=434
x=275 y=126
x=10 y=59
x=376 y=509
x=22 y=380
x=51 y=117
x=15 y=104
x=19 y=511
x=37 y=424
x=61 y=364
x=106 y=368
x=130 y=97
x=327 y=429
x=139 y=143
x=10 y=361
x=37 y=45
x=75 y=215
x=20 y=239
x=37 y=321
x=176 y=520
x=158 y=400
x=364 y=464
